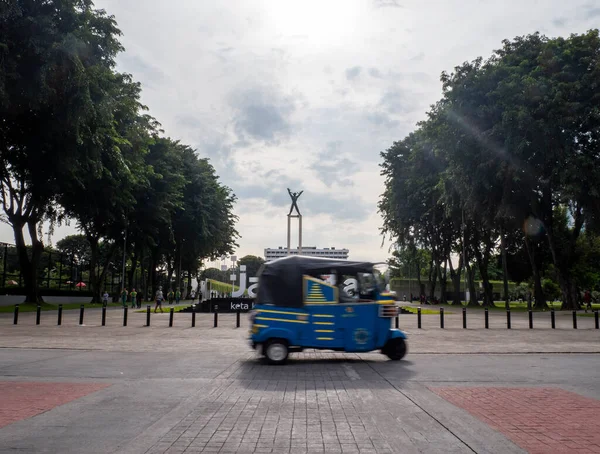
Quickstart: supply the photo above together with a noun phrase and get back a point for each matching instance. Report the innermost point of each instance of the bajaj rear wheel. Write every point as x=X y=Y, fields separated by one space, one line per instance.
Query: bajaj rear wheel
x=276 y=351
x=395 y=349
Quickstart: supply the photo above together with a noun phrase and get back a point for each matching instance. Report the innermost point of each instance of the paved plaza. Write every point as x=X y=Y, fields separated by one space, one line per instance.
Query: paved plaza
x=161 y=389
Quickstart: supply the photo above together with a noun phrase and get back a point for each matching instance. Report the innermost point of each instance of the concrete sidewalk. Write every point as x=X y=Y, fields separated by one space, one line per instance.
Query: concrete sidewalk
x=160 y=389
x=182 y=337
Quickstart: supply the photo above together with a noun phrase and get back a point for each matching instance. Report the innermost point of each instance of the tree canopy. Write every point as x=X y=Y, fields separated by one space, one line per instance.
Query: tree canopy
x=77 y=144
x=507 y=161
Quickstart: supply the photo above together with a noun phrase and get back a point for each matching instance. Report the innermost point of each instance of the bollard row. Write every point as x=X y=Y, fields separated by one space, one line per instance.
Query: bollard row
x=38 y=316
x=237 y=318
x=508 y=319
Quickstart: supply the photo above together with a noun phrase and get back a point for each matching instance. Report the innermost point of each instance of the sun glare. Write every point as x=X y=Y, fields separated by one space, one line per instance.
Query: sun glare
x=320 y=22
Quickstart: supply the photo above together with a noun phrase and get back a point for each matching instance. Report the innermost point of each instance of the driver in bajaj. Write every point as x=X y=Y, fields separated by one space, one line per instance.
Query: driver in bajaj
x=343 y=295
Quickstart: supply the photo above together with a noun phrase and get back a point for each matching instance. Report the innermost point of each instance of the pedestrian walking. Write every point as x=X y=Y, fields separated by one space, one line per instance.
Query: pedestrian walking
x=177 y=296
x=133 y=295
x=124 y=297
x=105 y=298
x=170 y=296
x=587 y=299
x=158 y=298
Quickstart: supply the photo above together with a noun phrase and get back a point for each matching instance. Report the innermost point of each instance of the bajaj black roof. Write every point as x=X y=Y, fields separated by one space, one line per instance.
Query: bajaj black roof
x=280 y=281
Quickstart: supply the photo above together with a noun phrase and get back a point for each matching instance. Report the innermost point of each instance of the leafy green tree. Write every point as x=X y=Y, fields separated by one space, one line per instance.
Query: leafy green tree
x=253 y=265
x=54 y=57
x=75 y=247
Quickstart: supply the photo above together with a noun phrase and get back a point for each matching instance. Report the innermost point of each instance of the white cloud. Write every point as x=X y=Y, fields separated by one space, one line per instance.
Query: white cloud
x=307 y=94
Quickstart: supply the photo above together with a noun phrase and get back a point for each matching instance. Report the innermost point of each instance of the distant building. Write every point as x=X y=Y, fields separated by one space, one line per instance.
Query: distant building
x=330 y=253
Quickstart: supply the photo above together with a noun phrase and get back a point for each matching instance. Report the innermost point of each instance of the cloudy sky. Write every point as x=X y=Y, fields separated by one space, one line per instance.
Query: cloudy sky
x=306 y=94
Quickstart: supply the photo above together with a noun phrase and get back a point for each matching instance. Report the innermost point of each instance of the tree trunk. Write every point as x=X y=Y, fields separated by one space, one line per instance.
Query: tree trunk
x=482 y=264
x=455 y=276
x=504 y=268
x=472 y=291
x=189 y=284
x=170 y=270
x=540 y=298
x=96 y=280
x=28 y=266
x=433 y=282
x=443 y=282
x=144 y=281
x=419 y=283
x=151 y=284
x=133 y=269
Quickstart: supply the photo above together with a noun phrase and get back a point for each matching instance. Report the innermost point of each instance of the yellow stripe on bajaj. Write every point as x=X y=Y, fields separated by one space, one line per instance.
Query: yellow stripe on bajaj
x=281 y=312
x=281 y=320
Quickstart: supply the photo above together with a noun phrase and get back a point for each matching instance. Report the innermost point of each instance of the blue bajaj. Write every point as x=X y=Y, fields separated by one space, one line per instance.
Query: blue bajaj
x=298 y=307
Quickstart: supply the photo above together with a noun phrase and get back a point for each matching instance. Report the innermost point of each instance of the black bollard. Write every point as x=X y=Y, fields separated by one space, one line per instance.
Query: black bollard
x=103 y=315
x=148 y=315
x=125 y=316
x=59 y=315
x=171 y=318
x=507 y=318
x=487 y=318
x=81 y=314
x=530 y=319
x=464 y=318
x=193 y=319
x=16 y=317
x=237 y=319
x=397 y=322
x=419 y=318
x=552 y=319
x=38 y=315
x=216 y=319
x=596 y=319
x=574 y=319
x=442 y=317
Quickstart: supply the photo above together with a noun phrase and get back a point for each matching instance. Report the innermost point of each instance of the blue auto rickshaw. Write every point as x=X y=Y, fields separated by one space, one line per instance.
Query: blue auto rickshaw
x=297 y=308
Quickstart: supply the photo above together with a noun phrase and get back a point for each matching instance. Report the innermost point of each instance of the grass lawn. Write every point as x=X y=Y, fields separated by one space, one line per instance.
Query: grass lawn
x=30 y=307
x=166 y=308
x=414 y=310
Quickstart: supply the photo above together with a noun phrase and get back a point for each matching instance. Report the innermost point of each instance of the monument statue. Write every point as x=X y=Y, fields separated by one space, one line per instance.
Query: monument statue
x=295 y=196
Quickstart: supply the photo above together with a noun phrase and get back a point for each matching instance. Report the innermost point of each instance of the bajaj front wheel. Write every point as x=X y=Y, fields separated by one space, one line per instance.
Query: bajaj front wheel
x=276 y=351
x=395 y=349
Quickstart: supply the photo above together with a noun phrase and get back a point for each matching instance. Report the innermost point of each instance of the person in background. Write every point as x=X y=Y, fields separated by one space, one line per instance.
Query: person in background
x=105 y=298
x=133 y=295
x=587 y=299
x=124 y=297
x=177 y=296
x=170 y=296
x=159 y=299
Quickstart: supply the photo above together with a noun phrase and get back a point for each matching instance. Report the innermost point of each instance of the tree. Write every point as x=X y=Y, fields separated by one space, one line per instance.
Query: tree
x=253 y=265
x=54 y=55
x=506 y=148
x=76 y=248
x=103 y=202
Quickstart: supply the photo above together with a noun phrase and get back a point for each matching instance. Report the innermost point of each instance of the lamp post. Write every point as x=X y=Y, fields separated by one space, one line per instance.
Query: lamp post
x=232 y=276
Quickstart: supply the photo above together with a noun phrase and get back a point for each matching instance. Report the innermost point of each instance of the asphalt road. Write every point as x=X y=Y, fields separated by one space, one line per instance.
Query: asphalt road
x=199 y=401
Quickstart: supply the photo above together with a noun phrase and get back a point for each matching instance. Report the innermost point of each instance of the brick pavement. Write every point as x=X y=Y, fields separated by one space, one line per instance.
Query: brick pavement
x=324 y=410
x=540 y=420
x=22 y=400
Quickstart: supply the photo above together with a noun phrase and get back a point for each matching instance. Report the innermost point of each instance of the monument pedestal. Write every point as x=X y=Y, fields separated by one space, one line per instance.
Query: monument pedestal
x=289 y=233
